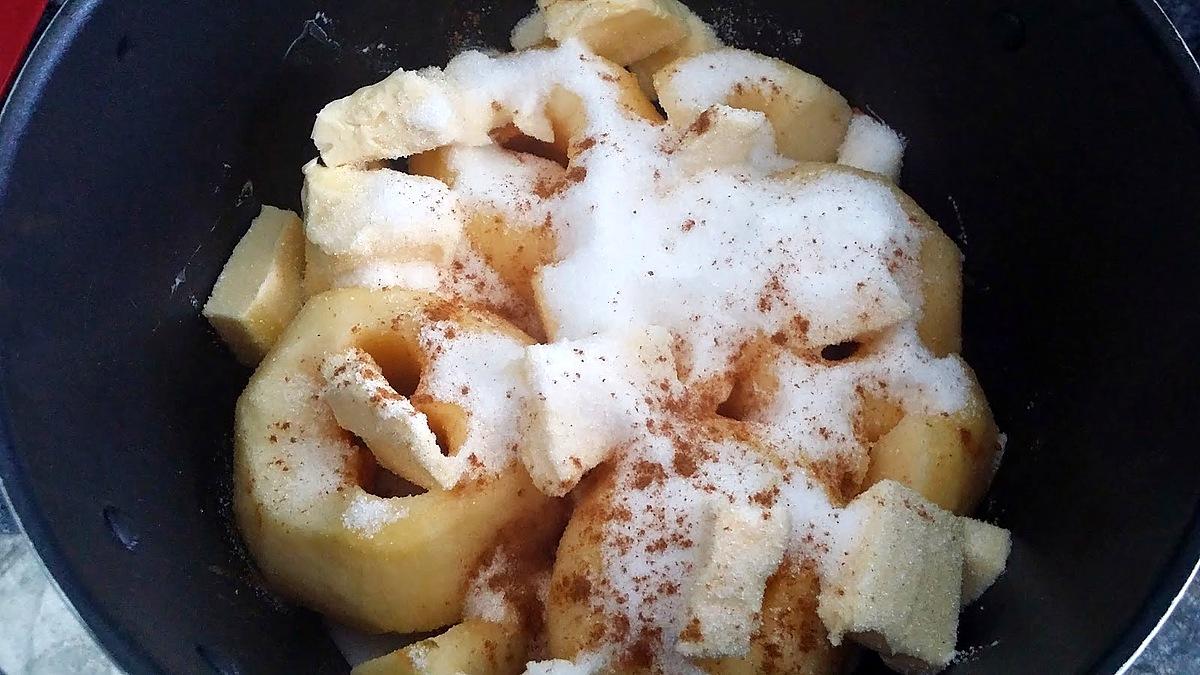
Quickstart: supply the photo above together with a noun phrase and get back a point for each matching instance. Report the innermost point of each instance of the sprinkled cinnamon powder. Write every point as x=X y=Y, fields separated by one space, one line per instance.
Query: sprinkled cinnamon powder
x=753 y=274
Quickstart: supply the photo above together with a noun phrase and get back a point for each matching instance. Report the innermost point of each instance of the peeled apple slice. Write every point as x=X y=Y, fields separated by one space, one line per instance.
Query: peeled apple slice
x=810 y=118
x=622 y=31
x=303 y=485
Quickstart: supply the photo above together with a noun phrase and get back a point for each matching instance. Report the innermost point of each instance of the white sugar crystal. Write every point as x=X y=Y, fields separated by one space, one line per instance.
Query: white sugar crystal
x=489 y=177
x=529 y=31
x=719 y=259
x=472 y=280
x=709 y=242
x=584 y=664
x=871 y=145
x=813 y=412
x=377 y=228
x=416 y=276
x=481 y=373
x=484 y=602
x=665 y=526
x=711 y=75
x=368 y=514
x=380 y=213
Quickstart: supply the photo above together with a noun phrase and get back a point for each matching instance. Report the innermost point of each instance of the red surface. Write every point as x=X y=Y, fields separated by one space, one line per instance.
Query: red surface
x=18 y=18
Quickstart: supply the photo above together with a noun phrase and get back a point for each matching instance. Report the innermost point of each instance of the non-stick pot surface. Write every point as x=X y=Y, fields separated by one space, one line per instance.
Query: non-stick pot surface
x=1056 y=141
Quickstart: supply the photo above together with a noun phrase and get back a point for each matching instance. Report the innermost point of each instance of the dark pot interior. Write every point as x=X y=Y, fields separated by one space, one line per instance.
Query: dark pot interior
x=1056 y=141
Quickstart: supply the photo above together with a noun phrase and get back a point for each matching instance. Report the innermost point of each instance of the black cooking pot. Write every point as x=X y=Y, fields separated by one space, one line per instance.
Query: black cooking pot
x=1058 y=142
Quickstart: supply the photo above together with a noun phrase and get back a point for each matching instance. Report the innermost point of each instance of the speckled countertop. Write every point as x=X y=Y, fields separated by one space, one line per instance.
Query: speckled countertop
x=40 y=635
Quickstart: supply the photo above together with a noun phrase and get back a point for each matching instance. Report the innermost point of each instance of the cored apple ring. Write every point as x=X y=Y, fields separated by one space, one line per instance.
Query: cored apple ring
x=303 y=485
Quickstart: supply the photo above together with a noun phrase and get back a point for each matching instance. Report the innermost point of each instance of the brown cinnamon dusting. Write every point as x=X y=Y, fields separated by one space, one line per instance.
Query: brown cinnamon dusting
x=641 y=654
x=766 y=498
x=574 y=587
x=790 y=623
x=702 y=123
x=841 y=474
x=684 y=461
x=647 y=473
x=575 y=174
x=657 y=546
x=691 y=632
x=619 y=627
x=440 y=310
x=528 y=558
x=489 y=652
x=545 y=187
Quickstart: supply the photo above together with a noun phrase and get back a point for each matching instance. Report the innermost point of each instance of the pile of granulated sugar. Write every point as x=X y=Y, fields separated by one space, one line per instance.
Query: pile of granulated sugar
x=368 y=514
x=667 y=482
x=721 y=256
x=313 y=460
x=489 y=178
x=480 y=372
x=718 y=257
x=485 y=598
x=820 y=531
x=812 y=414
x=590 y=396
x=416 y=276
x=718 y=261
x=470 y=279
